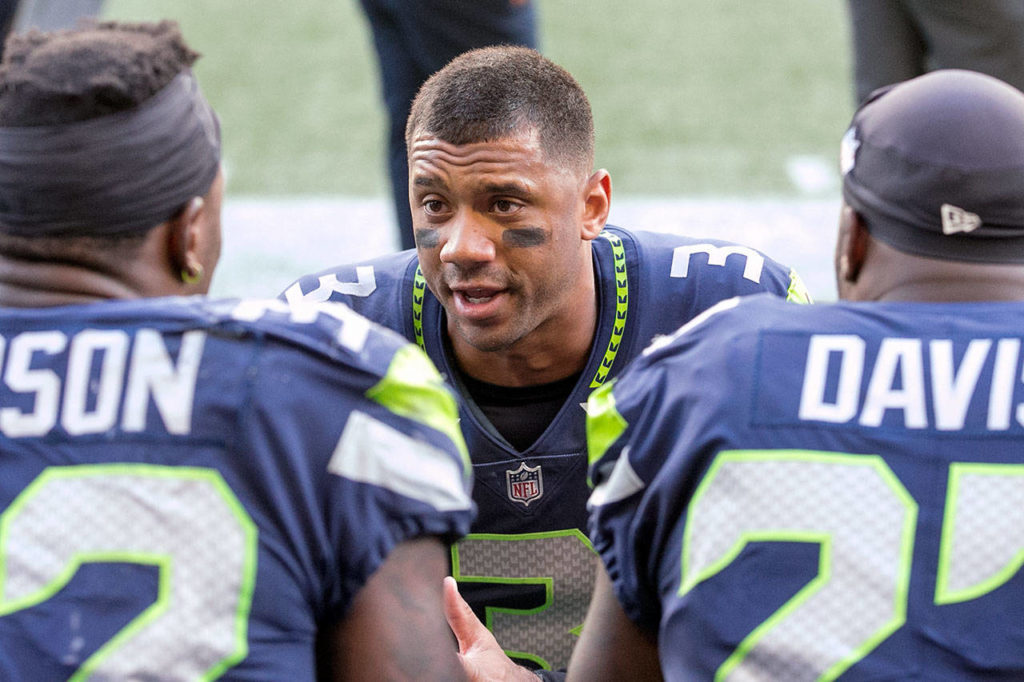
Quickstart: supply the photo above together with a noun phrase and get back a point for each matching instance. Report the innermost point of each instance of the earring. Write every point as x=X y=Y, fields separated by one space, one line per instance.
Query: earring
x=189 y=277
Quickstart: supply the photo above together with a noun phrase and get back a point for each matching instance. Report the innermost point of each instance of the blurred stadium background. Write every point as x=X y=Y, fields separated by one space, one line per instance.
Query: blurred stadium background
x=717 y=119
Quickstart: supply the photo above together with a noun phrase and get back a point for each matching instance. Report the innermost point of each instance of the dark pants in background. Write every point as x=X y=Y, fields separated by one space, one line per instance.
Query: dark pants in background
x=53 y=15
x=415 y=39
x=7 y=10
x=894 y=40
x=45 y=15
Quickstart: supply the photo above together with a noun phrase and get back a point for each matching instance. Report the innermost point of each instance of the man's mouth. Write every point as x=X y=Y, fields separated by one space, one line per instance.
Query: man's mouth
x=476 y=296
x=477 y=303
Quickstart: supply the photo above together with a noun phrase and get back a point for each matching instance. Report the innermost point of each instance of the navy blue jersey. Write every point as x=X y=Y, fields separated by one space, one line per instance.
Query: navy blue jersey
x=527 y=566
x=189 y=489
x=820 y=492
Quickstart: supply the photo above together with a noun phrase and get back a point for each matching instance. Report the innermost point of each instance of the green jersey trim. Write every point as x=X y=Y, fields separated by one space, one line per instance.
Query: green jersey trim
x=412 y=388
x=797 y=291
x=604 y=423
x=621 y=308
x=419 y=290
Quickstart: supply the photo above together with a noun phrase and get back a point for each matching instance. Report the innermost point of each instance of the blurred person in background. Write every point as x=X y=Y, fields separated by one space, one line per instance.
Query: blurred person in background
x=7 y=10
x=18 y=16
x=894 y=40
x=412 y=40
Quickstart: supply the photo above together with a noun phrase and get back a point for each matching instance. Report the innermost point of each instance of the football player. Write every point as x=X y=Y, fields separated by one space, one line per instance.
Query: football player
x=527 y=301
x=193 y=489
x=823 y=492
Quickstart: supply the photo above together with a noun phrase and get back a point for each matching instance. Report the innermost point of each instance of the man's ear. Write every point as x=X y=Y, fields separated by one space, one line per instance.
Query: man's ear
x=597 y=201
x=852 y=247
x=184 y=240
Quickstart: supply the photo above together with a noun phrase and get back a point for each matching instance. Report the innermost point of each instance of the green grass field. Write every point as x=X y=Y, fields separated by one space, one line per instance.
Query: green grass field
x=690 y=98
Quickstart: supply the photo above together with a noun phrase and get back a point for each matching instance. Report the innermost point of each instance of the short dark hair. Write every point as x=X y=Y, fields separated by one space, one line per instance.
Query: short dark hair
x=92 y=71
x=496 y=92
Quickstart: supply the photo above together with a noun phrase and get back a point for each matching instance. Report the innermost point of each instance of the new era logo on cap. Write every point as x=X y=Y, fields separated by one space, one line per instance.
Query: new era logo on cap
x=956 y=219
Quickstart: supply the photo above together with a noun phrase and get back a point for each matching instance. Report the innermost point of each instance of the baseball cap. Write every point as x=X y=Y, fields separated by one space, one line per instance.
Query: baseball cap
x=935 y=167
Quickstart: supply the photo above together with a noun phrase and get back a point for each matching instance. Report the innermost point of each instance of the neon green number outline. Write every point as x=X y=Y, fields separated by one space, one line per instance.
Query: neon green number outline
x=823 y=539
x=164 y=562
x=943 y=594
x=547 y=582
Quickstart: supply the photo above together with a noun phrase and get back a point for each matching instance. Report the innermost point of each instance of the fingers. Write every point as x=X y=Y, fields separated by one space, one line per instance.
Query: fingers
x=482 y=658
x=461 y=619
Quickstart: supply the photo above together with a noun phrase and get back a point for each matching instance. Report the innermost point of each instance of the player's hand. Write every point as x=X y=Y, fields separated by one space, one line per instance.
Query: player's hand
x=482 y=658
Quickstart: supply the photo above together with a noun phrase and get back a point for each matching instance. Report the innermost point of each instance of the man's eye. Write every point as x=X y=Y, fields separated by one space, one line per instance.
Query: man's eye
x=433 y=206
x=505 y=206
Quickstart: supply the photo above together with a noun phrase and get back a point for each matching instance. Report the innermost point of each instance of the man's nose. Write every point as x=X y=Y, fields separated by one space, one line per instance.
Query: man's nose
x=469 y=240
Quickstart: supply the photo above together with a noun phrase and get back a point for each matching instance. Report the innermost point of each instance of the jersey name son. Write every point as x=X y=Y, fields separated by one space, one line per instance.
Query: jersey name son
x=94 y=380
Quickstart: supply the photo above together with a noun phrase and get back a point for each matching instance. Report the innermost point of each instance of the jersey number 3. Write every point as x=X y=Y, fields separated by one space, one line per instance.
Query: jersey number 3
x=561 y=561
x=184 y=521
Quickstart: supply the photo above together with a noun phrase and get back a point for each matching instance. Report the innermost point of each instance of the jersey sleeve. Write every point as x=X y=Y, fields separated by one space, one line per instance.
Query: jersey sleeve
x=645 y=459
x=399 y=470
x=792 y=287
x=357 y=428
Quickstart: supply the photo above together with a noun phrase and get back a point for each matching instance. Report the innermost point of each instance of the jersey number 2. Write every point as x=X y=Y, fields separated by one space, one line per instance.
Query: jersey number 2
x=185 y=521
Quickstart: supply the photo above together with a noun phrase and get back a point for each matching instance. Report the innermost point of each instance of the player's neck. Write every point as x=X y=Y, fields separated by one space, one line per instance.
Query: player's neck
x=527 y=368
x=952 y=281
x=37 y=284
x=954 y=292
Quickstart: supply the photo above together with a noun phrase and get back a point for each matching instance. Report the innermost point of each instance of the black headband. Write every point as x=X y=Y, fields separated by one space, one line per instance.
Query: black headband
x=116 y=174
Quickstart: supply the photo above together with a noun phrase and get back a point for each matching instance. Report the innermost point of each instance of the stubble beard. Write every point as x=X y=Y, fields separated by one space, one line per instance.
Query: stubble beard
x=485 y=339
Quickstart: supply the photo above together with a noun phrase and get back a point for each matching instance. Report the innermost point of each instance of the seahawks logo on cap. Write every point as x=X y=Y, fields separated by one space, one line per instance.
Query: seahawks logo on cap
x=956 y=219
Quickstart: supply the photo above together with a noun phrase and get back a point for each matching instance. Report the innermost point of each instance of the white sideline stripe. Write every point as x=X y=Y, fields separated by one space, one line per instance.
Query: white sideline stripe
x=370 y=451
x=812 y=175
x=268 y=243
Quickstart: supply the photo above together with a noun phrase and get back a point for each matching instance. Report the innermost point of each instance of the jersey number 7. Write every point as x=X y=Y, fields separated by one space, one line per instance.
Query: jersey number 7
x=864 y=520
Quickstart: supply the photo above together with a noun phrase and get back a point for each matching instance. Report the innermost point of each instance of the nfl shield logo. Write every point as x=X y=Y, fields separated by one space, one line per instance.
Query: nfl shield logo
x=524 y=484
